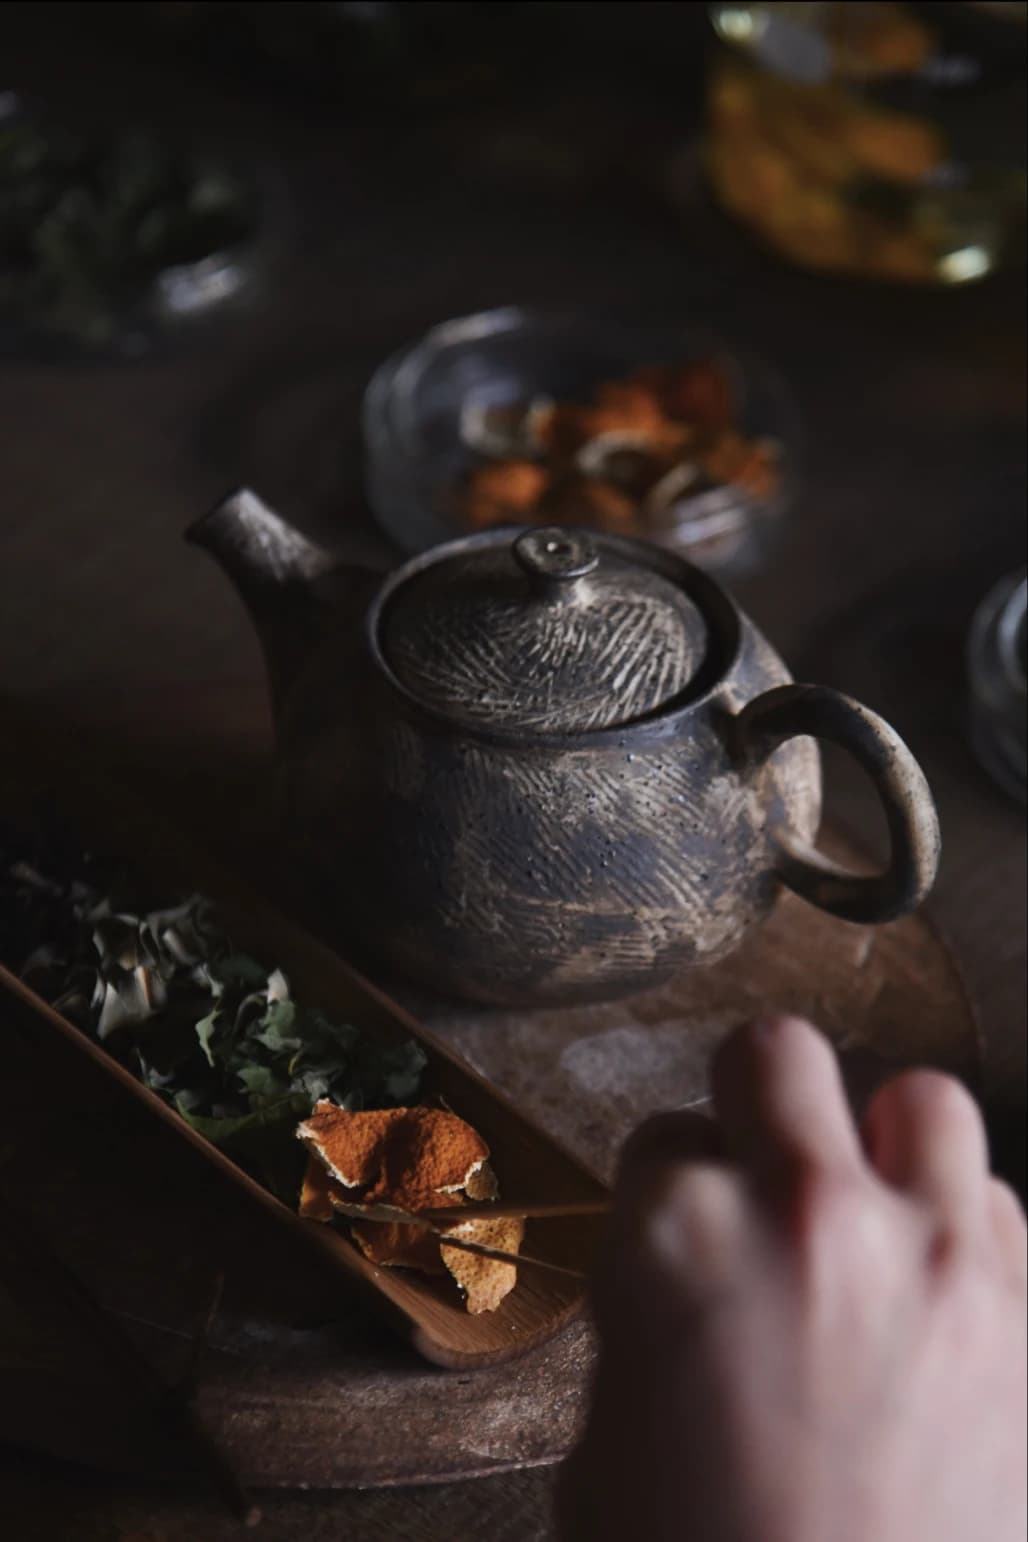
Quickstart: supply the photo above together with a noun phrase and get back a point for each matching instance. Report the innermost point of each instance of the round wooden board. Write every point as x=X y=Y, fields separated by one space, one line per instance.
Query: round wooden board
x=301 y=1394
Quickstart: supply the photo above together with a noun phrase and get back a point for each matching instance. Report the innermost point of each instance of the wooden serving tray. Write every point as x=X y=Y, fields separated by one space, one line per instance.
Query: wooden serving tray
x=529 y=1164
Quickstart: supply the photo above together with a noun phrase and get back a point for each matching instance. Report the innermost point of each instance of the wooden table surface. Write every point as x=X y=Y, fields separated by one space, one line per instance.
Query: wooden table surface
x=912 y=503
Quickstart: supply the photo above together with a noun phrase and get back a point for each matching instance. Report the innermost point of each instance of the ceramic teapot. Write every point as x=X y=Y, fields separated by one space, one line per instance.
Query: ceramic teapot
x=545 y=765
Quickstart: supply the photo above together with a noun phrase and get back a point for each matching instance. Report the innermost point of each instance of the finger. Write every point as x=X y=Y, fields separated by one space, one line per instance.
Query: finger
x=643 y=1374
x=693 y=1227
x=653 y=1238
x=647 y=1197
x=674 y=1243
x=925 y=1136
x=781 y=1103
x=1009 y=1229
x=673 y=1137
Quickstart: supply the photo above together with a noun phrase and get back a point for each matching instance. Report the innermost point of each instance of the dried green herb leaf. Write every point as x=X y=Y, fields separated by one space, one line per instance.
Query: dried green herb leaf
x=205 y=1026
x=130 y=997
x=262 y=1142
x=318 y=1030
x=277 y=986
x=276 y=1029
x=205 y=1030
x=262 y=1085
x=187 y=1103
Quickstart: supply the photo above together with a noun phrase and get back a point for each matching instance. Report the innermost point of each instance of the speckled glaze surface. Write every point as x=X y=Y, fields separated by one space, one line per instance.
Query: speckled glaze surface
x=523 y=872
x=484 y=820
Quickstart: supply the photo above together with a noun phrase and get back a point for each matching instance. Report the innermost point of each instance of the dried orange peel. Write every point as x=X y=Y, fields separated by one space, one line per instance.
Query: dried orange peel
x=413 y=1159
x=603 y=462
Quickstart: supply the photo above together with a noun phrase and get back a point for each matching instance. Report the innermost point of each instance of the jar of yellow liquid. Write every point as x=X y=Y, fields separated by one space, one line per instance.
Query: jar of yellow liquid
x=885 y=141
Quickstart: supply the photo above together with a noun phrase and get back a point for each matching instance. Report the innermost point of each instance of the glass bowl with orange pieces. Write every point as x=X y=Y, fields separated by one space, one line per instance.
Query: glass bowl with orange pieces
x=517 y=417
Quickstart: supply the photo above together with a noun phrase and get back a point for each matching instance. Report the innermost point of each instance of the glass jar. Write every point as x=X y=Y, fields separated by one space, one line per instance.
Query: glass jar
x=996 y=660
x=876 y=140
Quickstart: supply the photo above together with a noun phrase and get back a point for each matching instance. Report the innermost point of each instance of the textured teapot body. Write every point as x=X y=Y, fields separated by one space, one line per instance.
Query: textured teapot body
x=557 y=868
x=544 y=766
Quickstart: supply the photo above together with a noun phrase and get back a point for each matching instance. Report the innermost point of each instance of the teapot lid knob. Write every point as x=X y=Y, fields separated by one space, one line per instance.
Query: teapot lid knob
x=554 y=555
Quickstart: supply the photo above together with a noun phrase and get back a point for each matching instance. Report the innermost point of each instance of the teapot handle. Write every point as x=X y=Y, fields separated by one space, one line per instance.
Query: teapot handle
x=815 y=710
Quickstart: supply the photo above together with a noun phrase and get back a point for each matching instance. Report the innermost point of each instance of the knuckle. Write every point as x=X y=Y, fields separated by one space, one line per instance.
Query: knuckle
x=971 y=1285
x=699 y=1197
x=837 y=1223
x=691 y=1224
x=825 y=1199
x=672 y=1246
x=951 y=1258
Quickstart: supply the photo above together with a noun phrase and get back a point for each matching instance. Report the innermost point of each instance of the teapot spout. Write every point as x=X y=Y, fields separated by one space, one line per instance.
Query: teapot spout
x=290 y=586
x=256 y=548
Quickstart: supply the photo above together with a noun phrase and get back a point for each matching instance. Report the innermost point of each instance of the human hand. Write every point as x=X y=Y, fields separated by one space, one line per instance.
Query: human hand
x=806 y=1336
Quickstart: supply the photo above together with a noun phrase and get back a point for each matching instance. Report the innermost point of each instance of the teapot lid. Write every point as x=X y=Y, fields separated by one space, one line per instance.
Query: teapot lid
x=553 y=631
